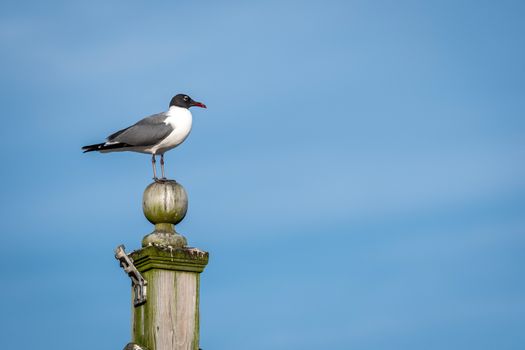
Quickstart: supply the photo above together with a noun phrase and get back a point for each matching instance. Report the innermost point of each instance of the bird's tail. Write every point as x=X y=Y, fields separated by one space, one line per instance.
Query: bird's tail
x=104 y=146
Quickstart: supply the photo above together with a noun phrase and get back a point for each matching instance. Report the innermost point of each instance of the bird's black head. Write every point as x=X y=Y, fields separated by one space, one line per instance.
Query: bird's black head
x=184 y=101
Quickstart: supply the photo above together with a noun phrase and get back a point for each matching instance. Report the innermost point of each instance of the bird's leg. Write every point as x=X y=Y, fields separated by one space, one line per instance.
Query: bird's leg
x=153 y=161
x=162 y=166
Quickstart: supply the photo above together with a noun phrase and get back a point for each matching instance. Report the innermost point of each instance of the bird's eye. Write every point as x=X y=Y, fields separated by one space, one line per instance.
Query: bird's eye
x=186 y=98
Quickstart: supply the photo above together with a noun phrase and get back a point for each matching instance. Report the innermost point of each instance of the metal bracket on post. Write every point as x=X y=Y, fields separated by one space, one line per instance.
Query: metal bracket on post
x=133 y=346
x=138 y=282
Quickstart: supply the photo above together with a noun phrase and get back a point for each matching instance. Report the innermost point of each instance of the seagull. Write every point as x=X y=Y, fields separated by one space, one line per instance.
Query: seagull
x=155 y=134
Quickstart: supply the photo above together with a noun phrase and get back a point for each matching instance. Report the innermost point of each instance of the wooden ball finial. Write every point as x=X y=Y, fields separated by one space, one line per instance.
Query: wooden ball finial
x=165 y=204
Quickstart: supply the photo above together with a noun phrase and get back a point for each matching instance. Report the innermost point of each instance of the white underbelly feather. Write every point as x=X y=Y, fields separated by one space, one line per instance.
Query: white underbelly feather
x=181 y=121
x=173 y=140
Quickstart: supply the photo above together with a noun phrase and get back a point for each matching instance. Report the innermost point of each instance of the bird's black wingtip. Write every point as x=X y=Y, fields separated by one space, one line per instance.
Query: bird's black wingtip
x=91 y=148
x=105 y=147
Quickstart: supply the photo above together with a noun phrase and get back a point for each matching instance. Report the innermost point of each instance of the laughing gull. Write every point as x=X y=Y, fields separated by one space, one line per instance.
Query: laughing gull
x=155 y=134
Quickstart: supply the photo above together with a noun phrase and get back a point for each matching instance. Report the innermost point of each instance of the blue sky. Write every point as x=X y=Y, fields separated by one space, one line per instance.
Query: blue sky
x=357 y=178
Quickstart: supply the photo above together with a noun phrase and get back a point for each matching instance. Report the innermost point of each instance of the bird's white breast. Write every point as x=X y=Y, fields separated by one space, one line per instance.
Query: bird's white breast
x=180 y=120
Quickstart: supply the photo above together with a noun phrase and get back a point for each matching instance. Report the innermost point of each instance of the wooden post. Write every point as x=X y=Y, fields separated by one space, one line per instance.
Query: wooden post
x=169 y=319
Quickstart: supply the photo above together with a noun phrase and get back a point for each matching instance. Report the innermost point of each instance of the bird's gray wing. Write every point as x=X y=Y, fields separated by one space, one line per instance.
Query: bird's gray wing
x=147 y=132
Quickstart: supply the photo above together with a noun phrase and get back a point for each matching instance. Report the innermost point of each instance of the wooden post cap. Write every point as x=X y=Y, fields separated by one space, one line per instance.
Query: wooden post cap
x=165 y=204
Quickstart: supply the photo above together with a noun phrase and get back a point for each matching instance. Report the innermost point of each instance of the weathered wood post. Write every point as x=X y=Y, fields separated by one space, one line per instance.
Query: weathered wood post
x=165 y=275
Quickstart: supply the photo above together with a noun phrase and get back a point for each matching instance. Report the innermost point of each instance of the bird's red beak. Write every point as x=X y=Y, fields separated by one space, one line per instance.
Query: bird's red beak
x=198 y=104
